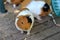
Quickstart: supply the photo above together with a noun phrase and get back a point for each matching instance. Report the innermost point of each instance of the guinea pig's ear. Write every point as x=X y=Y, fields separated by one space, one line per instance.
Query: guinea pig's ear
x=29 y=19
x=46 y=7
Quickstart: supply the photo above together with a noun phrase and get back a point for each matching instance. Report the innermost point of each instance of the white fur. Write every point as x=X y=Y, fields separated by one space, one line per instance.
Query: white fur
x=35 y=7
x=24 y=13
x=14 y=6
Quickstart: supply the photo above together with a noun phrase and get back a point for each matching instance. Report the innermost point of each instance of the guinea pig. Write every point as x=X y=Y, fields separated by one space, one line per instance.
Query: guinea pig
x=16 y=2
x=38 y=8
x=13 y=2
x=24 y=21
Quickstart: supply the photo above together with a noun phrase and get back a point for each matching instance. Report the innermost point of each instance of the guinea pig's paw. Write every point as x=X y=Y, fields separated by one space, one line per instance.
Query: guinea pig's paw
x=22 y=32
x=39 y=18
x=28 y=32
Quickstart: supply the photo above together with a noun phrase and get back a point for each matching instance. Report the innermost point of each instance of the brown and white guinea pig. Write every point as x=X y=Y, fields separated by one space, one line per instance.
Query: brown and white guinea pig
x=24 y=21
x=38 y=8
x=13 y=2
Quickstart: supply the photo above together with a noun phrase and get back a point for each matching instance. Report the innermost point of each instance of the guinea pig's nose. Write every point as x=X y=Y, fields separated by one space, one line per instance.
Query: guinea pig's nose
x=46 y=7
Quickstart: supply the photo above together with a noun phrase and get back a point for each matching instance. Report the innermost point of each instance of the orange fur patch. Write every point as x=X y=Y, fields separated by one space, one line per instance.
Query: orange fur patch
x=23 y=23
x=16 y=1
x=45 y=13
x=25 y=3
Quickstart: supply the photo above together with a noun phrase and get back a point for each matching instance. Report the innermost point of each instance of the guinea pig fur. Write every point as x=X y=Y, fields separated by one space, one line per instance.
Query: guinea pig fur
x=38 y=8
x=13 y=2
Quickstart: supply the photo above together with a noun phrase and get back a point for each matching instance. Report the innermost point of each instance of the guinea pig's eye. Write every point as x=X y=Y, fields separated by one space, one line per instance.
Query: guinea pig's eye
x=22 y=22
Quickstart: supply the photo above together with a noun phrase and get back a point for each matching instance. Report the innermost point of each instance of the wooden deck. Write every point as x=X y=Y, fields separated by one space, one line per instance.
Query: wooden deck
x=42 y=30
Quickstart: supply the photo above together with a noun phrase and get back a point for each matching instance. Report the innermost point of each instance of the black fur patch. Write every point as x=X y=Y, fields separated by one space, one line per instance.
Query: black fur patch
x=46 y=7
x=29 y=19
x=25 y=32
